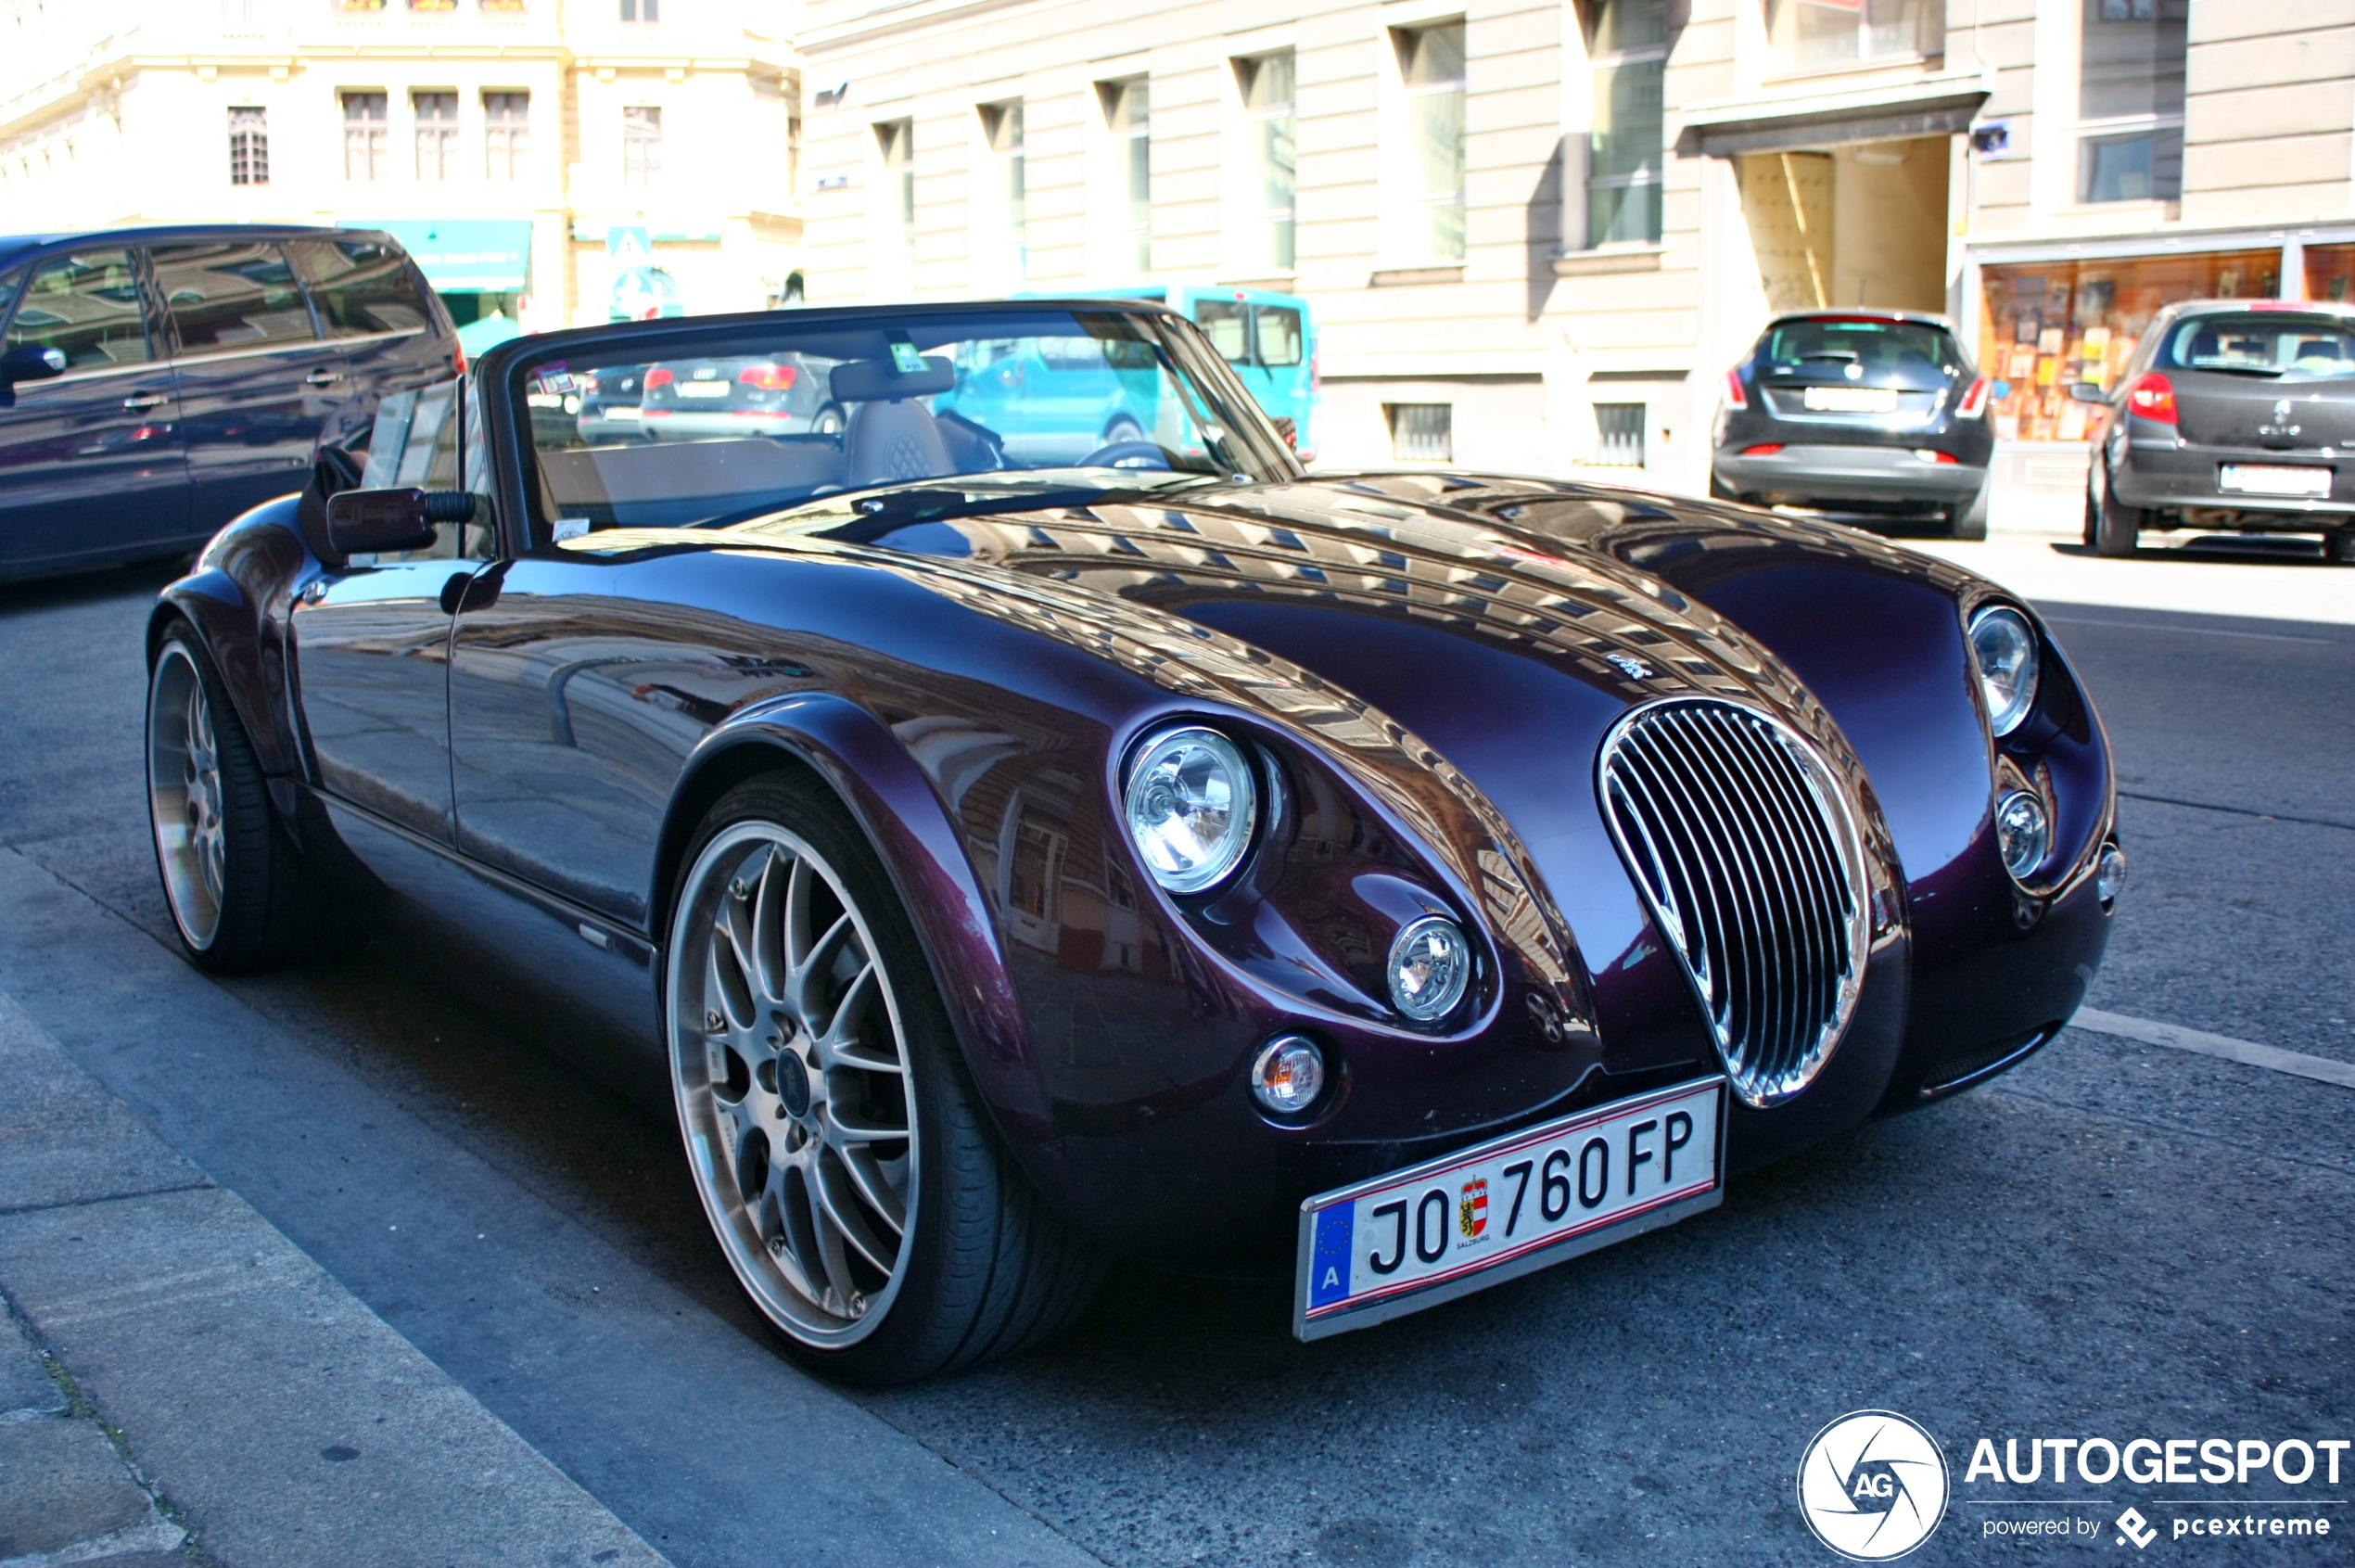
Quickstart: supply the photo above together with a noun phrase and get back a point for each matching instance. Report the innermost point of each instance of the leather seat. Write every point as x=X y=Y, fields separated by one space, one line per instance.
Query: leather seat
x=891 y=442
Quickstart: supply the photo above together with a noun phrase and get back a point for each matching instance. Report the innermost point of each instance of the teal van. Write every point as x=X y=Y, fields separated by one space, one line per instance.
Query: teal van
x=1270 y=339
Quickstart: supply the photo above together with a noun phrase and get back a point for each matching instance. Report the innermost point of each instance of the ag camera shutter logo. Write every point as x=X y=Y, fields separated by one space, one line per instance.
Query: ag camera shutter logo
x=1873 y=1485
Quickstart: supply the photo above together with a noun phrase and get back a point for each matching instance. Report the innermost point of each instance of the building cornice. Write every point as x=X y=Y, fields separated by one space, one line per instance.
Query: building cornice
x=1934 y=103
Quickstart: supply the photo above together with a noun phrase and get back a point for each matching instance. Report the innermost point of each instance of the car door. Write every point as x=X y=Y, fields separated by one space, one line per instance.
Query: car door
x=91 y=463
x=372 y=638
x=375 y=306
x=257 y=381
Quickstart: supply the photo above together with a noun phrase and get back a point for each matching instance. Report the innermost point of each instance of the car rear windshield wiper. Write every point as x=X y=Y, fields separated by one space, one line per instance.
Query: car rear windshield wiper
x=2237 y=369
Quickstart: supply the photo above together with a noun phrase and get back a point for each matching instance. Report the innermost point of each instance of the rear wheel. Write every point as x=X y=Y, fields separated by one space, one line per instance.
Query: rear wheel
x=844 y=1157
x=828 y=421
x=2112 y=528
x=1971 y=522
x=2341 y=547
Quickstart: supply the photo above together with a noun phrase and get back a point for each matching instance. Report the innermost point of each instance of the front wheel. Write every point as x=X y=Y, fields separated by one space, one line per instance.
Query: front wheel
x=844 y=1157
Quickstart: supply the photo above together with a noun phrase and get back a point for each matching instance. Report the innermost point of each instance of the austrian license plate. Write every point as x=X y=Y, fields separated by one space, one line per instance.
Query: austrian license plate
x=621 y=411
x=1850 y=399
x=1415 y=1238
x=703 y=388
x=2266 y=478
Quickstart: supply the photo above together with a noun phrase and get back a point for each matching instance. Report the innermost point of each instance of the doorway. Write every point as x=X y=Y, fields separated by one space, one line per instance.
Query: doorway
x=1852 y=225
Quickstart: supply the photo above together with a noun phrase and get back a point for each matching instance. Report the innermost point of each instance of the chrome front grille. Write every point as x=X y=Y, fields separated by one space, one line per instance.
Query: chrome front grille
x=1744 y=846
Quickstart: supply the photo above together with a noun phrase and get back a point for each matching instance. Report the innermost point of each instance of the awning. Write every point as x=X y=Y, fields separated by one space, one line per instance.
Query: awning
x=459 y=254
x=1928 y=105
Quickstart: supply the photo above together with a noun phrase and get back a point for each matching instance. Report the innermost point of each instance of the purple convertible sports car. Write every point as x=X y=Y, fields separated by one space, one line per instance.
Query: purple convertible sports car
x=1405 y=879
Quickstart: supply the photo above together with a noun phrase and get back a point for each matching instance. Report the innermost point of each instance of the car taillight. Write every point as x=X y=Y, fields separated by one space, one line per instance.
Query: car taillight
x=1737 y=395
x=1973 y=402
x=1927 y=455
x=1764 y=449
x=2153 y=396
x=768 y=378
x=658 y=376
x=588 y=384
x=457 y=362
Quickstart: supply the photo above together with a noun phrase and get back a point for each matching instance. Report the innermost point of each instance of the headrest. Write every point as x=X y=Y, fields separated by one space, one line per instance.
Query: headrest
x=872 y=380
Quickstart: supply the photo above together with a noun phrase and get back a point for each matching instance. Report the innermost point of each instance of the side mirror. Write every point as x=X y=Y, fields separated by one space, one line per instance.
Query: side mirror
x=32 y=362
x=2087 y=391
x=1288 y=428
x=375 y=522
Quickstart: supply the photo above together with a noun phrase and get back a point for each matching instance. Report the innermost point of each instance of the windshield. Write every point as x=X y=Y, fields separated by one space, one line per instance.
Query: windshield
x=2269 y=345
x=1879 y=353
x=693 y=431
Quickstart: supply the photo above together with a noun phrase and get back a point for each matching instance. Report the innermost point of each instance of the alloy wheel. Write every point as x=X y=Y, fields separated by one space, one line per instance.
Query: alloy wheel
x=184 y=797
x=791 y=1070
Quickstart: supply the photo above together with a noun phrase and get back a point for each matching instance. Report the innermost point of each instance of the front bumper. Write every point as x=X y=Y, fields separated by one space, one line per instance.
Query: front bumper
x=2164 y=476
x=1882 y=473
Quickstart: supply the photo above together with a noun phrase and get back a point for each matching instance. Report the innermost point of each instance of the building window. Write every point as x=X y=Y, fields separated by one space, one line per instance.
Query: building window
x=248 y=146
x=641 y=144
x=2131 y=100
x=1128 y=117
x=641 y=10
x=507 y=134
x=437 y=115
x=1002 y=128
x=1432 y=60
x=1623 y=158
x=1267 y=82
x=363 y=136
x=1618 y=434
x=1421 y=432
x=896 y=145
x=1808 y=35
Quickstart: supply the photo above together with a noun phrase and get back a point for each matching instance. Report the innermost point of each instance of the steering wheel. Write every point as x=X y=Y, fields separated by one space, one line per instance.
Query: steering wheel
x=1123 y=454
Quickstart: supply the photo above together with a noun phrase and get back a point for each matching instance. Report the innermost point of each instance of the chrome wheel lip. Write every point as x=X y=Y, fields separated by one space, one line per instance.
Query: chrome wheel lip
x=184 y=795
x=767 y=1274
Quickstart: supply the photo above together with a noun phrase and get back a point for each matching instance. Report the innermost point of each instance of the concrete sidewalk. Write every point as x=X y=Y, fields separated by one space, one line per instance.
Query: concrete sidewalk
x=179 y=1382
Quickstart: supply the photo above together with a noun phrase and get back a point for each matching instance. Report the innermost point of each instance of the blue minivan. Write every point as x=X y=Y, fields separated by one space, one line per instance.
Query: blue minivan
x=1270 y=339
x=156 y=382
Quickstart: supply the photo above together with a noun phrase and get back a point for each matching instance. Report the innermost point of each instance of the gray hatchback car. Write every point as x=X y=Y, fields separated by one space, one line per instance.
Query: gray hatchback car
x=2233 y=414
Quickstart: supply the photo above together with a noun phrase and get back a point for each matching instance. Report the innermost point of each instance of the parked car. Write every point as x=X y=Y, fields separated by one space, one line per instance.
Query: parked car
x=2231 y=415
x=157 y=382
x=697 y=400
x=1269 y=337
x=1400 y=880
x=1873 y=417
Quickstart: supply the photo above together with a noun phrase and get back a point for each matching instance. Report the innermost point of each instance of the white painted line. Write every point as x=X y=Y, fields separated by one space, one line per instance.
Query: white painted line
x=2187 y=630
x=2318 y=1067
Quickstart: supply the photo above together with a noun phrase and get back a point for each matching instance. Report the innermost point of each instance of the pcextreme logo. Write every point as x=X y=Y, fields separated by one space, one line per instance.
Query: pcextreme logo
x=1873 y=1485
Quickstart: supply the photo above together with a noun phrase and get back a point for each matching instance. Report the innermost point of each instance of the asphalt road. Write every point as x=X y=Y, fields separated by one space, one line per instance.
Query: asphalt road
x=2115 y=1241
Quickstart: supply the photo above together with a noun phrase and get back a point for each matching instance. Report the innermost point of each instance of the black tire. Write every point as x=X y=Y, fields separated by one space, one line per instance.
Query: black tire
x=2341 y=547
x=1971 y=522
x=274 y=904
x=1719 y=489
x=2115 y=529
x=988 y=1268
x=828 y=421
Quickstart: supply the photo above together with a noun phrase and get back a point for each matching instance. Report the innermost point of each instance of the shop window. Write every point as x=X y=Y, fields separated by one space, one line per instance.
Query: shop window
x=1002 y=128
x=1128 y=117
x=2329 y=272
x=1623 y=156
x=1268 y=83
x=437 y=115
x=363 y=136
x=1431 y=60
x=1811 y=36
x=2131 y=75
x=2045 y=325
x=1618 y=434
x=507 y=134
x=641 y=144
x=248 y=146
x=896 y=145
x=1421 y=432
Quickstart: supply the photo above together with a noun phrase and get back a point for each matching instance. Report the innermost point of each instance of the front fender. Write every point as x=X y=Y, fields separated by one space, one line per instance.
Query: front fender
x=892 y=801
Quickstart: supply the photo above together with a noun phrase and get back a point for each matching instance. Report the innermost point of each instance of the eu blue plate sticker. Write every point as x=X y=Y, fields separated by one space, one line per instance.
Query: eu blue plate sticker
x=1329 y=1283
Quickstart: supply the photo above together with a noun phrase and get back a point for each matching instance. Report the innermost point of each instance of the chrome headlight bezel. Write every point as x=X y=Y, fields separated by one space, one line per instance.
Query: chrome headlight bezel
x=2008 y=661
x=2023 y=832
x=1157 y=750
x=1453 y=984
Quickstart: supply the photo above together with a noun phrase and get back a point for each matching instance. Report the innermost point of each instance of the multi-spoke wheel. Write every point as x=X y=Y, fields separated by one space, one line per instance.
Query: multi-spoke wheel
x=242 y=894
x=839 y=1149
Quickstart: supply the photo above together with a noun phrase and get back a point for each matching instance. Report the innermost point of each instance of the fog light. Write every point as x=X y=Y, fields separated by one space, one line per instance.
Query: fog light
x=1288 y=1076
x=2111 y=875
x=1430 y=966
x=2022 y=832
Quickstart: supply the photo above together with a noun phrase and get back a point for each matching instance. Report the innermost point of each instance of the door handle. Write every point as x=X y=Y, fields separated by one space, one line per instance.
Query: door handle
x=323 y=378
x=139 y=402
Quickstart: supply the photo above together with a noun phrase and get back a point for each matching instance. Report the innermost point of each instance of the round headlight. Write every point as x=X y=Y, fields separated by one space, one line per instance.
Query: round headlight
x=2022 y=832
x=1288 y=1074
x=1430 y=966
x=1191 y=807
x=2004 y=646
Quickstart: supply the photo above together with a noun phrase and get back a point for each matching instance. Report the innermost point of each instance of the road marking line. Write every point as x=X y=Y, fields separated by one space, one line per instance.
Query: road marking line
x=2318 y=1067
x=2188 y=630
